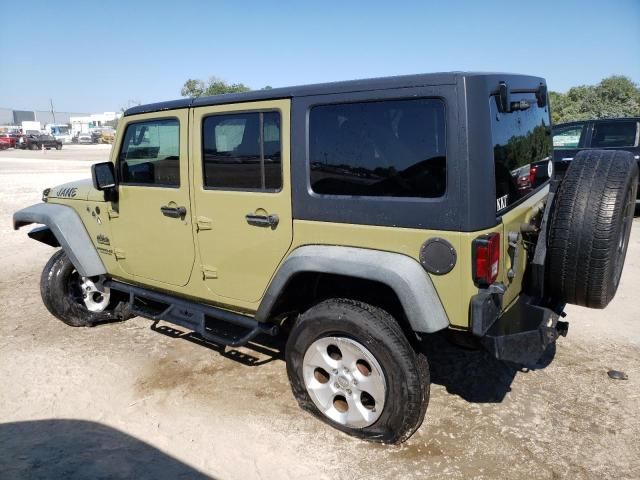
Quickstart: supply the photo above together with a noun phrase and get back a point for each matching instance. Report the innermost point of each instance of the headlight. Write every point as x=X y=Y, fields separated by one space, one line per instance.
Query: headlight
x=45 y=194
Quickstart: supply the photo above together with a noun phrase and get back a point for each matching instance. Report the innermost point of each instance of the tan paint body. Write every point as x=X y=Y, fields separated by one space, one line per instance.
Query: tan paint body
x=215 y=257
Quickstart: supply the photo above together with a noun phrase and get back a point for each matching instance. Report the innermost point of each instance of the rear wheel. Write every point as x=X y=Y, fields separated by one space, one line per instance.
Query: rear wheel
x=350 y=364
x=590 y=227
x=33 y=146
x=77 y=301
x=58 y=146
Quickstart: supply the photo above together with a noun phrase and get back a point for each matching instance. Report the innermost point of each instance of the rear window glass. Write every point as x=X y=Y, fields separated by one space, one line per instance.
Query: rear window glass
x=614 y=134
x=522 y=147
x=241 y=151
x=393 y=148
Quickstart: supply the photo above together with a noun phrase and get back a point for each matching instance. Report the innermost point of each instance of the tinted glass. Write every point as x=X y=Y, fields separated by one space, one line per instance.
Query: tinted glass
x=522 y=146
x=391 y=148
x=614 y=134
x=568 y=137
x=238 y=154
x=150 y=153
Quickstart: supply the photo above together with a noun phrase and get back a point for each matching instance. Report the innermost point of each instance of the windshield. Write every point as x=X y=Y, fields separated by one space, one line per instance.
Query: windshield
x=522 y=147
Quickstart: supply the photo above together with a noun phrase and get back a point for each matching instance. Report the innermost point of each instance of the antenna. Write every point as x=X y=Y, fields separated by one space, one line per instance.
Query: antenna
x=53 y=113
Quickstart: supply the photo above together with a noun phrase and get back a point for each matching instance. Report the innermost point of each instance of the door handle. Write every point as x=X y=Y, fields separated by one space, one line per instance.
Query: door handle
x=270 y=221
x=174 y=212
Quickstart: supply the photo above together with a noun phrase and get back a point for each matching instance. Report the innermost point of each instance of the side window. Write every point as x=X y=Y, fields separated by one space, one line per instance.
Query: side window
x=150 y=153
x=614 y=134
x=568 y=137
x=241 y=151
x=391 y=148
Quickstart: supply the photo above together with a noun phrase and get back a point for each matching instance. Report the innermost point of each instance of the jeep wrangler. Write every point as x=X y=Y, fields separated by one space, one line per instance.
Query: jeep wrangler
x=357 y=217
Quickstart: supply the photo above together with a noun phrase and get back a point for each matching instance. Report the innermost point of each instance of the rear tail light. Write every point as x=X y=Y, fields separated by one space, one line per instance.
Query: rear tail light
x=486 y=259
x=532 y=173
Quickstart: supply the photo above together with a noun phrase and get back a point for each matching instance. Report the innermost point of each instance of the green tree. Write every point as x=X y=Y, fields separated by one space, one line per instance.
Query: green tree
x=213 y=86
x=193 y=88
x=615 y=96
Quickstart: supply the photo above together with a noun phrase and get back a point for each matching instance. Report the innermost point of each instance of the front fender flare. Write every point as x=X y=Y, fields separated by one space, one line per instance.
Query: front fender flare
x=67 y=227
x=404 y=275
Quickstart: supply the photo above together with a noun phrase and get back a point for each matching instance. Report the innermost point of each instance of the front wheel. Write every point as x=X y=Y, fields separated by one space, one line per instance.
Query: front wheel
x=77 y=301
x=58 y=146
x=350 y=365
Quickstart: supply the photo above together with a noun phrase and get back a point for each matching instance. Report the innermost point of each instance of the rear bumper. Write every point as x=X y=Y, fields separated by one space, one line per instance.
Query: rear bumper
x=522 y=333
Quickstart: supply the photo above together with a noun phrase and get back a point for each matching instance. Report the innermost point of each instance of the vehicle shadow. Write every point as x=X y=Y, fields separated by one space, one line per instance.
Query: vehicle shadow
x=473 y=374
x=77 y=449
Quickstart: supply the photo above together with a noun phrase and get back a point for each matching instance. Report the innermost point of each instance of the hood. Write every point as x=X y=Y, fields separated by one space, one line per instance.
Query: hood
x=78 y=190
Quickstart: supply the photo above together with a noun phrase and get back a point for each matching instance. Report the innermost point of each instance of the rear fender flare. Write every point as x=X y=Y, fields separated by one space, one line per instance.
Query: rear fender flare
x=401 y=273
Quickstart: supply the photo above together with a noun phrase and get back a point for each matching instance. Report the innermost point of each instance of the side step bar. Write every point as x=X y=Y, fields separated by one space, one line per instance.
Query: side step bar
x=230 y=329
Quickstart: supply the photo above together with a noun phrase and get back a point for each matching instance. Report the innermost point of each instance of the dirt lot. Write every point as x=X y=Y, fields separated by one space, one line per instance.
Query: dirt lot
x=128 y=400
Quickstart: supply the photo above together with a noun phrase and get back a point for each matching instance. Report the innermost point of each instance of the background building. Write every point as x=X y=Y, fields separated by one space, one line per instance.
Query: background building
x=10 y=116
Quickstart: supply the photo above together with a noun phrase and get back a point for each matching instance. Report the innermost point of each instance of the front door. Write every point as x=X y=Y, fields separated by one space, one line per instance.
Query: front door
x=242 y=195
x=152 y=229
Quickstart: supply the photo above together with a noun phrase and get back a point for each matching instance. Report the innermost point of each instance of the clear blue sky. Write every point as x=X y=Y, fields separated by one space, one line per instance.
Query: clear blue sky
x=97 y=56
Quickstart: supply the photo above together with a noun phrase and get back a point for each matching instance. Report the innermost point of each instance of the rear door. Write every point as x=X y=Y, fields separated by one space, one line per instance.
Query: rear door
x=242 y=195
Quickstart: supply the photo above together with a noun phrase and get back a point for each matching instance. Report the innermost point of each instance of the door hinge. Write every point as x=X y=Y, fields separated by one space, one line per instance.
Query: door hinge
x=119 y=253
x=112 y=213
x=208 y=272
x=203 y=223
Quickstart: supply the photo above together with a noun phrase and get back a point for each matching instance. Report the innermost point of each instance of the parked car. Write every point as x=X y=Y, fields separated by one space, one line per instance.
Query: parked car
x=37 y=141
x=83 y=137
x=357 y=218
x=603 y=134
x=8 y=140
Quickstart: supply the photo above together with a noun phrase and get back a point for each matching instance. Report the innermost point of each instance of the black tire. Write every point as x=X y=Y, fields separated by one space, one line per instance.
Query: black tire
x=590 y=227
x=406 y=371
x=60 y=296
x=58 y=146
x=34 y=146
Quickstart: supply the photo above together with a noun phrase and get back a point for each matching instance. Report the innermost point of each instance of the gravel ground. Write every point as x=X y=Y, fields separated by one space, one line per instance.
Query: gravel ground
x=133 y=400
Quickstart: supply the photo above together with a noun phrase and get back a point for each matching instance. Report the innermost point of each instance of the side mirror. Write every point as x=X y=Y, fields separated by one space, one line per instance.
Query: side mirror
x=103 y=176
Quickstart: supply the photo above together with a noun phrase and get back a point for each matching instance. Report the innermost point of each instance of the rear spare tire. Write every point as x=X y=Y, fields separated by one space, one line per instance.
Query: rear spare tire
x=590 y=227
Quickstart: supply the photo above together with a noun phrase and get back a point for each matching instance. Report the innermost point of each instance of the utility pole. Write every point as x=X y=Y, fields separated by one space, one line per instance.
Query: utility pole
x=53 y=113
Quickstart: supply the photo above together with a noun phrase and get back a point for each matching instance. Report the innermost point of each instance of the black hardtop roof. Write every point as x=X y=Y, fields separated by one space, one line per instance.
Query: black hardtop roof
x=418 y=80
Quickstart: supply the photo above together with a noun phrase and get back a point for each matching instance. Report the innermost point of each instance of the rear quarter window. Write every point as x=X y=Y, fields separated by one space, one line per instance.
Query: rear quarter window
x=390 y=148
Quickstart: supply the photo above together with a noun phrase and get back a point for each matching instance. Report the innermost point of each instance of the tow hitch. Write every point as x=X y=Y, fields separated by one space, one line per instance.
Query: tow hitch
x=562 y=328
